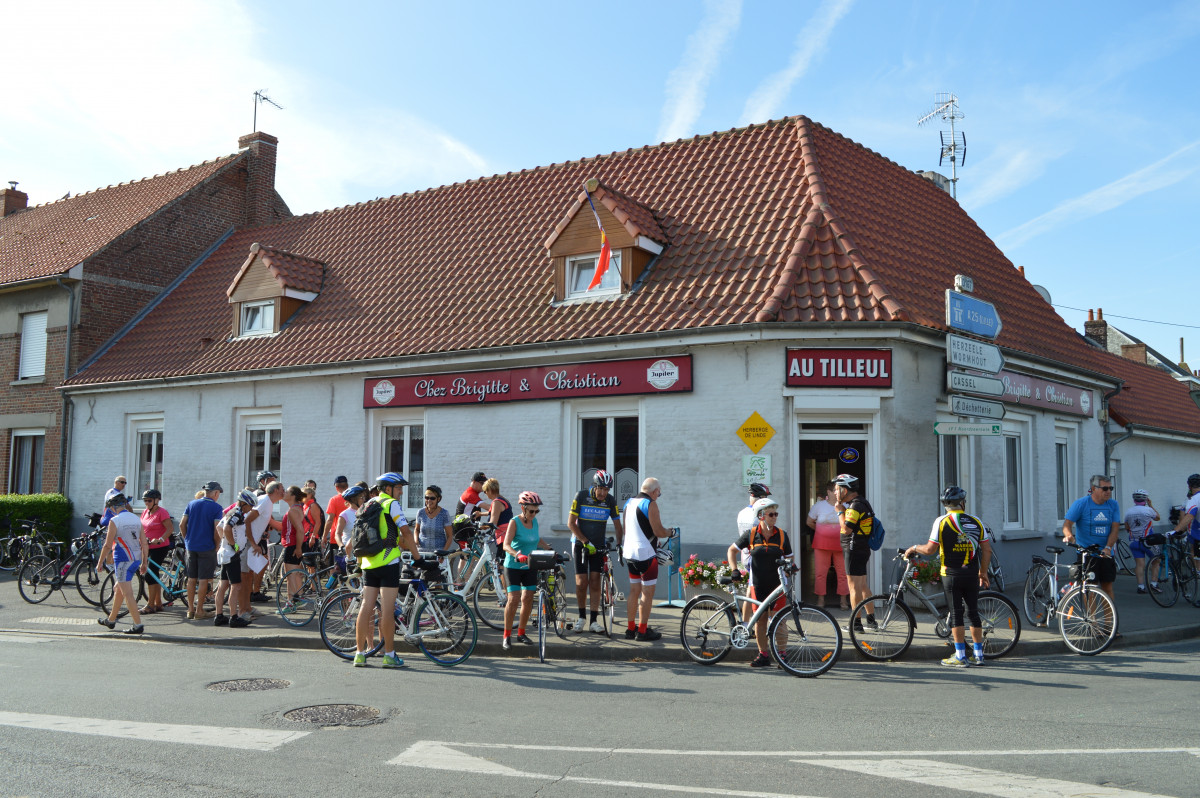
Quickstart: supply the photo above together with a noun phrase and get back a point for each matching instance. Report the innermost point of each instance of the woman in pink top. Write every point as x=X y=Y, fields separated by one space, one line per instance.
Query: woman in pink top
x=827 y=547
x=158 y=528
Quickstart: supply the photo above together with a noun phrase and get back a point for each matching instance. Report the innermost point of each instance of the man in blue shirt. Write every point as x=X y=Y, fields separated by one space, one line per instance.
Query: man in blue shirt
x=199 y=529
x=1094 y=520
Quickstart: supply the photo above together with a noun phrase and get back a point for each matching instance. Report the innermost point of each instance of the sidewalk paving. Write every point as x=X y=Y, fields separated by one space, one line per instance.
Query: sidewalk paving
x=1142 y=622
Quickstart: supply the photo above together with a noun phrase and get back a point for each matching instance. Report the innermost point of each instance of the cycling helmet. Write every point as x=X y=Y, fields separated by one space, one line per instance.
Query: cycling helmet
x=247 y=497
x=151 y=494
x=261 y=475
x=1194 y=481
x=758 y=490
x=846 y=481
x=602 y=479
x=391 y=478
x=118 y=500
x=1140 y=495
x=763 y=504
x=529 y=497
x=352 y=491
x=954 y=495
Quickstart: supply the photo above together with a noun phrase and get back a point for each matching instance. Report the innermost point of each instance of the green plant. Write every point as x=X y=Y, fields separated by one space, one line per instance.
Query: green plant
x=702 y=573
x=928 y=572
x=53 y=508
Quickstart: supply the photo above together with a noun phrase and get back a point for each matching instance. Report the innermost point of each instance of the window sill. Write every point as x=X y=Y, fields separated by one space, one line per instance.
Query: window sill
x=583 y=299
x=1021 y=534
x=30 y=381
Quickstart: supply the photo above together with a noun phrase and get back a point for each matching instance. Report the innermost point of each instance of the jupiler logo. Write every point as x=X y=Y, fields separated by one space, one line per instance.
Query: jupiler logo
x=662 y=374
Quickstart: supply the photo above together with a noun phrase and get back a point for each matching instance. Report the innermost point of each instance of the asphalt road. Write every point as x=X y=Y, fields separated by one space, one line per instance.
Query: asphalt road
x=96 y=716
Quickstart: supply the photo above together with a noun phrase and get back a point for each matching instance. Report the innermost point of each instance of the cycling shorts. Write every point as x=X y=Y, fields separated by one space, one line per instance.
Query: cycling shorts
x=856 y=552
x=780 y=602
x=201 y=564
x=157 y=556
x=123 y=567
x=231 y=572
x=290 y=557
x=963 y=589
x=1140 y=550
x=383 y=576
x=520 y=579
x=587 y=563
x=1105 y=568
x=643 y=572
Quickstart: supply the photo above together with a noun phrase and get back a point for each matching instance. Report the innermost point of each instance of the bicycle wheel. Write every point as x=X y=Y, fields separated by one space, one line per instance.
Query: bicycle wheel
x=8 y=554
x=608 y=595
x=806 y=641
x=559 y=606
x=35 y=579
x=488 y=600
x=705 y=629
x=1038 y=595
x=893 y=631
x=1123 y=556
x=87 y=580
x=1087 y=619
x=541 y=614
x=300 y=609
x=339 y=618
x=996 y=573
x=1001 y=623
x=1167 y=592
x=453 y=634
x=108 y=584
x=1189 y=583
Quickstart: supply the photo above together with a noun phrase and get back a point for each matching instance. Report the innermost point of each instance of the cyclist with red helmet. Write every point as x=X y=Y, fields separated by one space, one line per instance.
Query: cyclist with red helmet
x=521 y=538
x=588 y=521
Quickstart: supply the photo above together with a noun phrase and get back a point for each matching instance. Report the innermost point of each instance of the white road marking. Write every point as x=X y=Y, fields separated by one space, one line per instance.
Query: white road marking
x=59 y=621
x=986 y=782
x=220 y=736
x=440 y=756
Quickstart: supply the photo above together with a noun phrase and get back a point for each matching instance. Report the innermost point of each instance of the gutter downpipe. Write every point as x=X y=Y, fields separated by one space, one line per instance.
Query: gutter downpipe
x=1111 y=443
x=66 y=402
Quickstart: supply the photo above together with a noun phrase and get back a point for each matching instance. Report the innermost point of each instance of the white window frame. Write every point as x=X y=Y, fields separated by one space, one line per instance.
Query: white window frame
x=13 y=483
x=400 y=417
x=266 y=318
x=138 y=425
x=1068 y=437
x=604 y=408
x=32 y=362
x=254 y=419
x=1020 y=428
x=609 y=286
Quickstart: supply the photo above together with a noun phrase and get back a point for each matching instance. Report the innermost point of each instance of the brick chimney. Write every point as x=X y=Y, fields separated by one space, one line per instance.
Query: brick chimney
x=12 y=200
x=1135 y=352
x=260 y=180
x=1096 y=328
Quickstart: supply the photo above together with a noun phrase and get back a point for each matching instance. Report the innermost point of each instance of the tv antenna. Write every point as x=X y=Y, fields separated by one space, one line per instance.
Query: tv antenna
x=954 y=143
x=261 y=97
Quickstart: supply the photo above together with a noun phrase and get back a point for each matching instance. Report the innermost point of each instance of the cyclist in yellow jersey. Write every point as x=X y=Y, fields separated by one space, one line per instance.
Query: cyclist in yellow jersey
x=857 y=519
x=964 y=543
x=381 y=575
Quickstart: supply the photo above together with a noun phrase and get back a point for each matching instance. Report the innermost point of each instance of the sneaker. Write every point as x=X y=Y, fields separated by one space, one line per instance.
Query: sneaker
x=260 y=597
x=286 y=608
x=1141 y=591
x=221 y=620
x=597 y=627
x=238 y=622
x=649 y=635
x=392 y=661
x=104 y=621
x=953 y=661
x=580 y=625
x=858 y=627
x=135 y=630
x=507 y=644
x=524 y=639
x=630 y=634
x=761 y=661
x=974 y=660
x=870 y=623
x=360 y=660
x=1155 y=589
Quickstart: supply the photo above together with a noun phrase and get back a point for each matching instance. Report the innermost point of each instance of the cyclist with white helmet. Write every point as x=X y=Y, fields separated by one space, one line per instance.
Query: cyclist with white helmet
x=588 y=521
x=521 y=538
x=857 y=519
x=1139 y=521
x=766 y=543
x=381 y=573
x=746 y=520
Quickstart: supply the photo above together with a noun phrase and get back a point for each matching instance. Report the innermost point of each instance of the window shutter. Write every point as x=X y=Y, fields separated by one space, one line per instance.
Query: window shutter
x=33 y=346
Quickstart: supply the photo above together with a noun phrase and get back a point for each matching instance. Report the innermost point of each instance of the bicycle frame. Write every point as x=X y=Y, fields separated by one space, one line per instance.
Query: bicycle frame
x=742 y=633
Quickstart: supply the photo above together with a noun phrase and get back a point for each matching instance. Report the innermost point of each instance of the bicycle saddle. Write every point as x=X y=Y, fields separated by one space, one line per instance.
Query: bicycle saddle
x=1055 y=549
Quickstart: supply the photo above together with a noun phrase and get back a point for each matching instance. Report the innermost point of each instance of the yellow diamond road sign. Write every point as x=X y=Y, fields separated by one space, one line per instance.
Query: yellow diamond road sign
x=755 y=432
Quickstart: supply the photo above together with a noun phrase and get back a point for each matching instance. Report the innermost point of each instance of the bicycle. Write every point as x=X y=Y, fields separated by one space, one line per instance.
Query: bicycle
x=440 y=625
x=895 y=623
x=551 y=596
x=41 y=575
x=807 y=639
x=1087 y=617
x=171 y=576
x=1123 y=556
x=315 y=587
x=486 y=580
x=1174 y=568
x=608 y=589
x=16 y=549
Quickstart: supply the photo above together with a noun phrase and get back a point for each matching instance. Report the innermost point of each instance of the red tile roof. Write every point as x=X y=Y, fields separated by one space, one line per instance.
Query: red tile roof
x=48 y=240
x=291 y=271
x=782 y=222
x=636 y=218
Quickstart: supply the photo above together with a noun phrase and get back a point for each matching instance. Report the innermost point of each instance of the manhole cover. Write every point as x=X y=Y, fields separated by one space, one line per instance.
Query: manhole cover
x=334 y=715
x=248 y=685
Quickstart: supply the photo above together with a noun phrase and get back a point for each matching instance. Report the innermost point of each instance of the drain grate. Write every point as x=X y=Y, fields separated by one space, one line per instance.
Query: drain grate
x=334 y=715
x=248 y=685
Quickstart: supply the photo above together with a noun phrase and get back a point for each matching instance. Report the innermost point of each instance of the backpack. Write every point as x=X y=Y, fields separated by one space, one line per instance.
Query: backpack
x=365 y=540
x=875 y=539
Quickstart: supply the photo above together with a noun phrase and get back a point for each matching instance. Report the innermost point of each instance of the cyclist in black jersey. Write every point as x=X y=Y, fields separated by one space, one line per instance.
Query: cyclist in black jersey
x=964 y=543
x=588 y=521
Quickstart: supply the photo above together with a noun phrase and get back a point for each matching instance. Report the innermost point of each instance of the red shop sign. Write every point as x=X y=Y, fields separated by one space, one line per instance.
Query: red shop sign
x=839 y=368
x=605 y=378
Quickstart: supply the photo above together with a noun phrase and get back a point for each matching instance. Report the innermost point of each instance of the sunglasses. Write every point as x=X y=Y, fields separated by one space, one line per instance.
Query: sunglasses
x=120 y=482
x=431 y=498
x=772 y=515
x=532 y=510
x=1105 y=487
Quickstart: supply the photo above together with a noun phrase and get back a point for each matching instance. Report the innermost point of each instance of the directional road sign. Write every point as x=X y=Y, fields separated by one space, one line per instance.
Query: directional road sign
x=966 y=428
x=977 y=408
x=965 y=312
x=962 y=382
x=972 y=354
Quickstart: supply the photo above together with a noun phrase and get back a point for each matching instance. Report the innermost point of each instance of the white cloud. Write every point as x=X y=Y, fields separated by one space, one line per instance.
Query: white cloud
x=1168 y=171
x=767 y=99
x=687 y=83
x=121 y=91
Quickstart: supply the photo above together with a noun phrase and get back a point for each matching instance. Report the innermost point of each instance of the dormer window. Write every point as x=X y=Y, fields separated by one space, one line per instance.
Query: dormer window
x=581 y=269
x=258 y=318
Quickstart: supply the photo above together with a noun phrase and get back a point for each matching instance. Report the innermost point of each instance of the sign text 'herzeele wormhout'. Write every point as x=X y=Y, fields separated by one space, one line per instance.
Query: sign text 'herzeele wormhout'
x=839 y=368
x=603 y=378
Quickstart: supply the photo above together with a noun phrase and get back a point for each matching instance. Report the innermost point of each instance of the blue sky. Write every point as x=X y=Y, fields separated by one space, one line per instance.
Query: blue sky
x=1082 y=118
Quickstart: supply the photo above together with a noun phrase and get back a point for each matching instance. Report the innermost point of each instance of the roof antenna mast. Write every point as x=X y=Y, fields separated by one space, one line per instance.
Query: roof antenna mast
x=954 y=144
x=261 y=97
